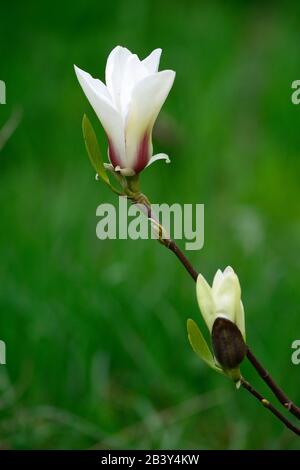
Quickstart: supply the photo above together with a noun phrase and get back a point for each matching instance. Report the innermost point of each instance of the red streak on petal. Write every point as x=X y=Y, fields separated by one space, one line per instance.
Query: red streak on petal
x=142 y=154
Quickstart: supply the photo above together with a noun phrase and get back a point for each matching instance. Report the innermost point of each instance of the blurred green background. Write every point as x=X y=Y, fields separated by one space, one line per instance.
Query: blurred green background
x=97 y=353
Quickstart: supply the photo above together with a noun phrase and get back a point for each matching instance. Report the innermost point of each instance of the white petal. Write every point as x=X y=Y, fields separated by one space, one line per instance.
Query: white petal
x=227 y=295
x=94 y=83
x=159 y=156
x=114 y=72
x=205 y=301
x=109 y=117
x=152 y=61
x=240 y=319
x=134 y=71
x=228 y=269
x=148 y=96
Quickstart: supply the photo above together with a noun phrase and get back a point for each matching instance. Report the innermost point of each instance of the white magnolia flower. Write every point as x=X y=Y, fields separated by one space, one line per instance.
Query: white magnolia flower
x=128 y=106
x=223 y=299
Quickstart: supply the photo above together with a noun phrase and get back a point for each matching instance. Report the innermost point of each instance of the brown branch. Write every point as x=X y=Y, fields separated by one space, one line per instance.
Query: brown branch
x=182 y=258
x=283 y=399
x=141 y=199
x=247 y=386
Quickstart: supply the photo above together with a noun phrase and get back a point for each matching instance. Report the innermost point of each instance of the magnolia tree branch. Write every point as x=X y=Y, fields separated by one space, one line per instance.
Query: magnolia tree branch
x=139 y=198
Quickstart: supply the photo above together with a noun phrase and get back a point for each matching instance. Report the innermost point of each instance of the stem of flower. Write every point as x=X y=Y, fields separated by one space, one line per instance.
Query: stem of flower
x=264 y=374
x=246 y=385
x=182 y=258
x=140 y=198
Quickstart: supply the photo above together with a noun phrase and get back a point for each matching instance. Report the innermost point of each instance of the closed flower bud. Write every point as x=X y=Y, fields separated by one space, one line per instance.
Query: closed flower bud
x=223 y=299
x=223 y=313
x=228 y=344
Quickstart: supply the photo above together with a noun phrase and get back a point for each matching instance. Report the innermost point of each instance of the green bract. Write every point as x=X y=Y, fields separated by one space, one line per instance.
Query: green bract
x=200 y=346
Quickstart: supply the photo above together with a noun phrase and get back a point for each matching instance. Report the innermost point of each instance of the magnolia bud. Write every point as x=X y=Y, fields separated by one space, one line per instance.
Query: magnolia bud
x=228 y=343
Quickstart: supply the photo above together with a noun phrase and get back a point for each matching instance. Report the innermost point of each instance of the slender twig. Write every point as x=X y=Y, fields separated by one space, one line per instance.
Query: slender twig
x=247 y=386
x=168 y=242
x=264 y=374
x=182 y=258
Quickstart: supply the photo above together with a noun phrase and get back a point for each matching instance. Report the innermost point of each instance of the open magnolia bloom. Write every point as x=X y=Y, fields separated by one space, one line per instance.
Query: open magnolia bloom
x=222 y=300
x=128 y=106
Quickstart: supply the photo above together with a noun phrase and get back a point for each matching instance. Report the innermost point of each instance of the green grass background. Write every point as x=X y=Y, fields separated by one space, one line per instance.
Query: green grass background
x=97 y=353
